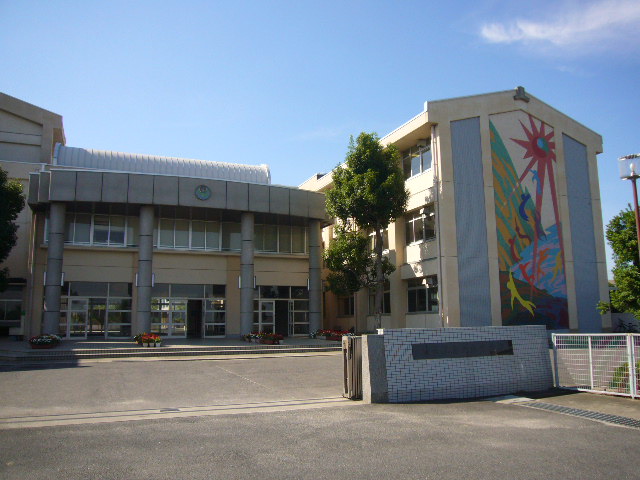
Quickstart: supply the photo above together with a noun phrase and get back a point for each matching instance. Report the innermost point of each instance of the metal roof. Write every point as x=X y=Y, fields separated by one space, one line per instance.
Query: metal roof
x=154 y=164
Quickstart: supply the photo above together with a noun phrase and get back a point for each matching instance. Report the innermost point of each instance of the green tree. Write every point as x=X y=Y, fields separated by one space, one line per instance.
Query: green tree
x=368 y=193
x=12 y=202
x=621 y=236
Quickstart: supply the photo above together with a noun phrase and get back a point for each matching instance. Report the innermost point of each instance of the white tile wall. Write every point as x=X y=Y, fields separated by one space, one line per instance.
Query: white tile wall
x=409 y=380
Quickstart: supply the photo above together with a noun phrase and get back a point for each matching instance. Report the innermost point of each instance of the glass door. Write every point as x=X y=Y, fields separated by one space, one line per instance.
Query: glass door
x=77 y=317
x=299 y=317
x=266 y=316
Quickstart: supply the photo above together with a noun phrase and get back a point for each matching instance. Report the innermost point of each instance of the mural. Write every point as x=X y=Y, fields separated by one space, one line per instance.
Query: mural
x=533 y=288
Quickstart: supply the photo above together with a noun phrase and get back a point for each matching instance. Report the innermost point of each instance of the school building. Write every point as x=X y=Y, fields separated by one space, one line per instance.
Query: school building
x=503 y=224
x=503 y=227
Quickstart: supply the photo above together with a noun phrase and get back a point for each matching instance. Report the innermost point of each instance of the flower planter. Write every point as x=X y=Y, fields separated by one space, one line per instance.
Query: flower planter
x=42 y=346
x=335 y=338
x=266 y=341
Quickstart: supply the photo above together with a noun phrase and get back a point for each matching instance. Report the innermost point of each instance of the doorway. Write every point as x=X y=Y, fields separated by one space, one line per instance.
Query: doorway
x=282 y=317
x=194 y=319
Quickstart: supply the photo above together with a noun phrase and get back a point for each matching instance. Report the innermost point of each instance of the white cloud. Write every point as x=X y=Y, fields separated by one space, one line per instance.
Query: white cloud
x=600 y=23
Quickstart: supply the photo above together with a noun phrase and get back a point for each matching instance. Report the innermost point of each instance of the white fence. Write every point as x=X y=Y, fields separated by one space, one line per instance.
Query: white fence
x=602 y=363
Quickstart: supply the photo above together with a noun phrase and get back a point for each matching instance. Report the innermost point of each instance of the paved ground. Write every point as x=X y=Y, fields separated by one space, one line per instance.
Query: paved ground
x=109 y=386
x=274 y=433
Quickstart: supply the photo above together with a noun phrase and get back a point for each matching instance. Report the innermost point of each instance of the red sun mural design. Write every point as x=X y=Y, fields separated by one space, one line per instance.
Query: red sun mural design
x=540 y=147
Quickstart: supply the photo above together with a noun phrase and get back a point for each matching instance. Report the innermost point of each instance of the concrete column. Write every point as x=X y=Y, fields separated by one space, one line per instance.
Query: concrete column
x=315 y=279
x=246 y=274
x=145 y=269
x=53 y=278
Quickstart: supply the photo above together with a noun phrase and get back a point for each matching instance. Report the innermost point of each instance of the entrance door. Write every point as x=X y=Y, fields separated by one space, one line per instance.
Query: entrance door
x=282 y=317
x=194 y=319
x=77 y=317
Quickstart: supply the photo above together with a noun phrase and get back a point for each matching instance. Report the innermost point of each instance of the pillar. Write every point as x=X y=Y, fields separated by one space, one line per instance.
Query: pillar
x=145 y=269
x=246 y=274
x=315 y=278
x=53 y=277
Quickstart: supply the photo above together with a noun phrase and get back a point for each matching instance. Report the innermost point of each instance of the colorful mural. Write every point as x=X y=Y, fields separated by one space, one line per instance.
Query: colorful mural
x=533 y=286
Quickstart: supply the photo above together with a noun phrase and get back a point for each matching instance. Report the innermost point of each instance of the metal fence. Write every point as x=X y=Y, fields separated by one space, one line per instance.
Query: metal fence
x=603 y=363
x=352 y=361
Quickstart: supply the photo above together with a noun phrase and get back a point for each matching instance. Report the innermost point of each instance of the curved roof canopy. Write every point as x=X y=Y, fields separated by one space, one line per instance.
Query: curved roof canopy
x=153 y=164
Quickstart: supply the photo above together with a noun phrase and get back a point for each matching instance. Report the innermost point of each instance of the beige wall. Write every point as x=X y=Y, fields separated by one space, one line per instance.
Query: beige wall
x=436 y=185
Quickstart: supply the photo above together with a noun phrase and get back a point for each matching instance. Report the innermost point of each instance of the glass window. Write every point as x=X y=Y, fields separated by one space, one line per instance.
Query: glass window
x=119 y=289
x=214 y=291
x=258 y=237
x=166 y=233
x=270 y=238
x=299 y=292
x=197 y=234
x=213 y=236
x=417 y=159
x=88 y=289
x=422 y=295
x=416 y=165
x=160 y=290
x=285 y=238
x=69 y=223
x=82 y=230
x=116 y=230
x=420 y=225
x=346 y=306
x=298 y=240
x=182 y=233
x=133 y=231
x=426 y=159
x=101 y=229
x=231 y=239
x=187 y=291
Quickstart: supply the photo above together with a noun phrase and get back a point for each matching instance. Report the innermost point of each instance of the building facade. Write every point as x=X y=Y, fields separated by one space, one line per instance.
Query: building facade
x=113 y=244
x=503 y=227
x=503 y=224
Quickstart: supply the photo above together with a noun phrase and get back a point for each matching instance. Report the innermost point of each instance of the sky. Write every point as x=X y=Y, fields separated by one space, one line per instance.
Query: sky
x=287 y=83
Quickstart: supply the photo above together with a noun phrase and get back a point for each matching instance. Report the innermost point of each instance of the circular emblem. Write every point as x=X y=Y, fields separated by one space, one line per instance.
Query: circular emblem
x=203 y=192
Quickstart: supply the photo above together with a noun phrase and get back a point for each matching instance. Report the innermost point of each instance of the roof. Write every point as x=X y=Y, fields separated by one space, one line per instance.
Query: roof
x=154 y=164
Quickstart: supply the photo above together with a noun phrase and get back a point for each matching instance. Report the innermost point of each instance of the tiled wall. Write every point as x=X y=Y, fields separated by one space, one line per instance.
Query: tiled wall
x=409 y=380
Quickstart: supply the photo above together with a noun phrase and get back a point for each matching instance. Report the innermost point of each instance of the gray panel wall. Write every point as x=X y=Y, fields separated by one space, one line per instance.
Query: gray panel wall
x=471 y=227
x=141 y=189
x=582 y=235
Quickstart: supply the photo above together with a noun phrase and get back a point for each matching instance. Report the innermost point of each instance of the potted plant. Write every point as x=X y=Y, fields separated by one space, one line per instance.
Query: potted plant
x=148 y=339
x=270 y=338
x=44 y=341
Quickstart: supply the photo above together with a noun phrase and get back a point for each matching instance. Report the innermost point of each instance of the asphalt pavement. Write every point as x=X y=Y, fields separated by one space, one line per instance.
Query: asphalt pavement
x=283 y=418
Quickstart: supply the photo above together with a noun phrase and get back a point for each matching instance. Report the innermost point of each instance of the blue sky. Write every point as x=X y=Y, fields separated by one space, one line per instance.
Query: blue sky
x=287 y=82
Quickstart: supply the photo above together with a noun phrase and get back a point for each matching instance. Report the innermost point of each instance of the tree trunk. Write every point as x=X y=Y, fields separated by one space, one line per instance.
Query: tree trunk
x=379 y=277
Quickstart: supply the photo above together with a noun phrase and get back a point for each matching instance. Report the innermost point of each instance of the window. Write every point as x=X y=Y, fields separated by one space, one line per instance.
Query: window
x=420 y=225
x=386 y=299
x=417 y=159
x=231 y=237
x=11 y=306
x=385 y=240
x=101 y=229
x=273 y=237
x=95 y=308
x=346 y=306
x=422 y=295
